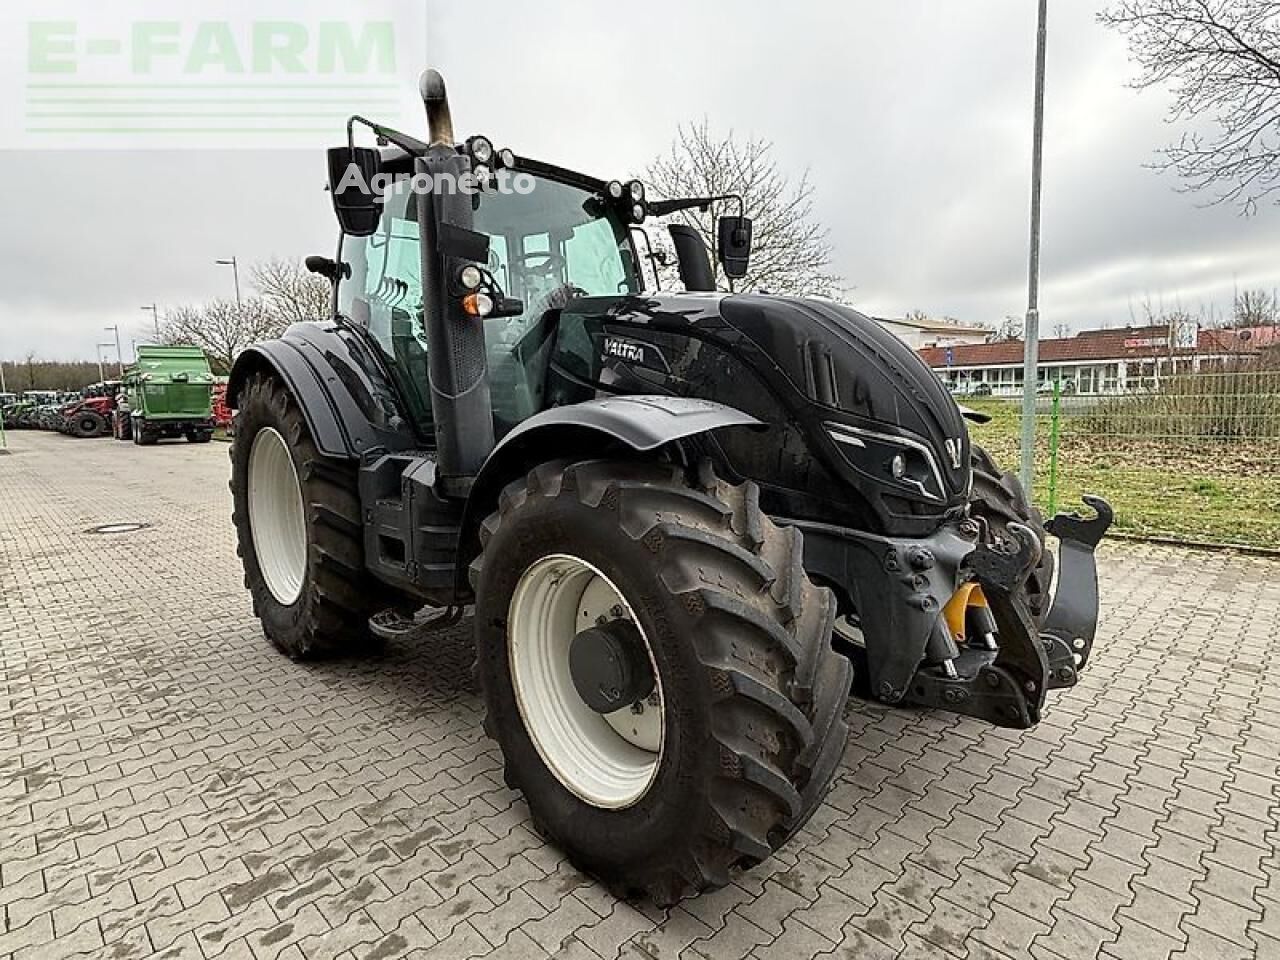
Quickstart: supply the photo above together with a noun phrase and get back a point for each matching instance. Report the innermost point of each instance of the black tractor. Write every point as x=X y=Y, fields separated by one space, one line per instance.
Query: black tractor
x=689 y=523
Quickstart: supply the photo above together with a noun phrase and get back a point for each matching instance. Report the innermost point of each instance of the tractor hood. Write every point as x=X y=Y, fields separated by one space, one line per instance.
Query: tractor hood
x=843 y=360
x=857 y=416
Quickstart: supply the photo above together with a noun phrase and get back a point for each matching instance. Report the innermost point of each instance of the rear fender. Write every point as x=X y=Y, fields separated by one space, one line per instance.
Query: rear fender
x=596 y=428
x=348 y=403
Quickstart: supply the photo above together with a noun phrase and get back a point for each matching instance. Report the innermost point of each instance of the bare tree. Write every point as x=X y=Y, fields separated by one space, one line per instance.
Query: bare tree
x=291 y=291
x=790 y=251
x=1061 y=331
x=222 y=328
x=1010 y=328
x=1221 y=59
x=915 y=316
x=1254 y=308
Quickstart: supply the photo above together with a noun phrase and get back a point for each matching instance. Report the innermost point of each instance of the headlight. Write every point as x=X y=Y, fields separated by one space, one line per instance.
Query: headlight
x=470 y=276
x=637 y=190
x=615 y=190
x=481 y=149
x=899 y=461
x=637 y=212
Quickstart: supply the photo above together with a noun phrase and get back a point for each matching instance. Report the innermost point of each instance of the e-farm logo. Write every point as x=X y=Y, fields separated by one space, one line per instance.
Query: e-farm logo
x=253 y=77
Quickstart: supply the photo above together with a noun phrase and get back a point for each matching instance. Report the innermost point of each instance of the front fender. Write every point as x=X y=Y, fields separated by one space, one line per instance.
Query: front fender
x=640 y=422
x=604 y=427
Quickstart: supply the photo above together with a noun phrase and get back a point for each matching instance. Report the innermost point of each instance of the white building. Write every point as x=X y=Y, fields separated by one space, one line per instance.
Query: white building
x=1096 y=361
x=919 y=334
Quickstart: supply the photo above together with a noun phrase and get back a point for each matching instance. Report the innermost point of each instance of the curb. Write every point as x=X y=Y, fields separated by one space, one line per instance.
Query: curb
x=1207 y=545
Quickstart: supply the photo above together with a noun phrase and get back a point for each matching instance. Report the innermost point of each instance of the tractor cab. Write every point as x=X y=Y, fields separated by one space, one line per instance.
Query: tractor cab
x=549 y=236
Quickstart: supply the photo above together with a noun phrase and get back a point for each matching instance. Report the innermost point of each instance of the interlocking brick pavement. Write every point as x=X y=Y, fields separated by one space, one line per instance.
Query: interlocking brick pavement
x=170 y=786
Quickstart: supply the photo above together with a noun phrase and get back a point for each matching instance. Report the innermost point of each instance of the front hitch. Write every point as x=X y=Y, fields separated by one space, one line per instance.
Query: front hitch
x=1007 y=686
x=1072 y=622
x=998 y=670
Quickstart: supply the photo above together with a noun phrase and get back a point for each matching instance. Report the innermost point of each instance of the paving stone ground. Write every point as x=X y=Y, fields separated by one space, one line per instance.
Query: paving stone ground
x=170 y=786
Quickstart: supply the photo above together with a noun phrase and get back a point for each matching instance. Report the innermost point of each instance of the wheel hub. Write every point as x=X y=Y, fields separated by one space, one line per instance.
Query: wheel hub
x=610 y=667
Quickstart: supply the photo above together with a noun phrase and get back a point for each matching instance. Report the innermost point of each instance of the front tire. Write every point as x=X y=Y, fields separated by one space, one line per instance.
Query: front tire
x=298 y=523
x=88 y=425
x=749 y=689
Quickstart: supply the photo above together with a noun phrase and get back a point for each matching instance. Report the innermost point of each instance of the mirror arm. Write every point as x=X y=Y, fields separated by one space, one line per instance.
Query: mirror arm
x=410 y=145
x=661 y=208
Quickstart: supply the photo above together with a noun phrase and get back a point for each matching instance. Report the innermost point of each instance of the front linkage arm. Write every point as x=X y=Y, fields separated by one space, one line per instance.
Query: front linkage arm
x=1019 y=674
x=1072 y=621
x=1007 y=686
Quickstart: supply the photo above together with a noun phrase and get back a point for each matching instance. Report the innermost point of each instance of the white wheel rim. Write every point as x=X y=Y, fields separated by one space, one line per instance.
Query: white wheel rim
x=276 y=516
x=609 y=761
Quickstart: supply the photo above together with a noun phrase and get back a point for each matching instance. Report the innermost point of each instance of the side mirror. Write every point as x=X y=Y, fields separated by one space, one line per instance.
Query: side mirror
x=328 y=268
x=734 y=246
x=355 y=202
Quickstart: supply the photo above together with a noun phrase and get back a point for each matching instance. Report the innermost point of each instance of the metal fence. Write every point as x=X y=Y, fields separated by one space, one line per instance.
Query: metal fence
x=1194 y=456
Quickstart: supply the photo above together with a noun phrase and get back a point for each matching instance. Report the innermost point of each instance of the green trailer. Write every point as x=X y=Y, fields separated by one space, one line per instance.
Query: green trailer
x=169 y=395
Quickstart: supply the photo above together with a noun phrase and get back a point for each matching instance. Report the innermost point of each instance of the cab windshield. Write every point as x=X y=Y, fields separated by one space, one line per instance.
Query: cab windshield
x=547 y=244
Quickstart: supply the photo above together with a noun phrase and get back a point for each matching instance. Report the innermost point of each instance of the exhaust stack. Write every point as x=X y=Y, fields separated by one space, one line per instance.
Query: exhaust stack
x=436 y=99
x=456 y=363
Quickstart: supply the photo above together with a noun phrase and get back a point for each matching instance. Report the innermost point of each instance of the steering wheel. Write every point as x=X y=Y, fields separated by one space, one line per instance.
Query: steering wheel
x=540 y=261
x=556 y=299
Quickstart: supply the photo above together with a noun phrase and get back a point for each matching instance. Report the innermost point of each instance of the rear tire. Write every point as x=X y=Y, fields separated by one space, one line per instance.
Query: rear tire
x=142 y=436
x=315 y=597
x=998 y=498
x=751 y=692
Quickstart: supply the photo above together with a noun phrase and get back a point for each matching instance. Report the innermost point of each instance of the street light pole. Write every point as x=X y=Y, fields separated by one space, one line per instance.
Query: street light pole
x=119 y=355
x=1031 y=336
x=155 y=317
x=235 y=272
x=102 y=374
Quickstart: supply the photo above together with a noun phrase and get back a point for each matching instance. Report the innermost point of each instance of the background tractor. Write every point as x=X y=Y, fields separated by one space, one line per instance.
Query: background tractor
x=90 y=416
x=688 y=522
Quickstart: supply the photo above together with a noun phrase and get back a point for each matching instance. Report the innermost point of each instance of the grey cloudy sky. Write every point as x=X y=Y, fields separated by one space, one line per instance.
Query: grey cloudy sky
x=912 y=116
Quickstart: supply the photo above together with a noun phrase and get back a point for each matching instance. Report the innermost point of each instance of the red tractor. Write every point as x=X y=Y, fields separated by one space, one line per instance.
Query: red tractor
x=91 y=415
